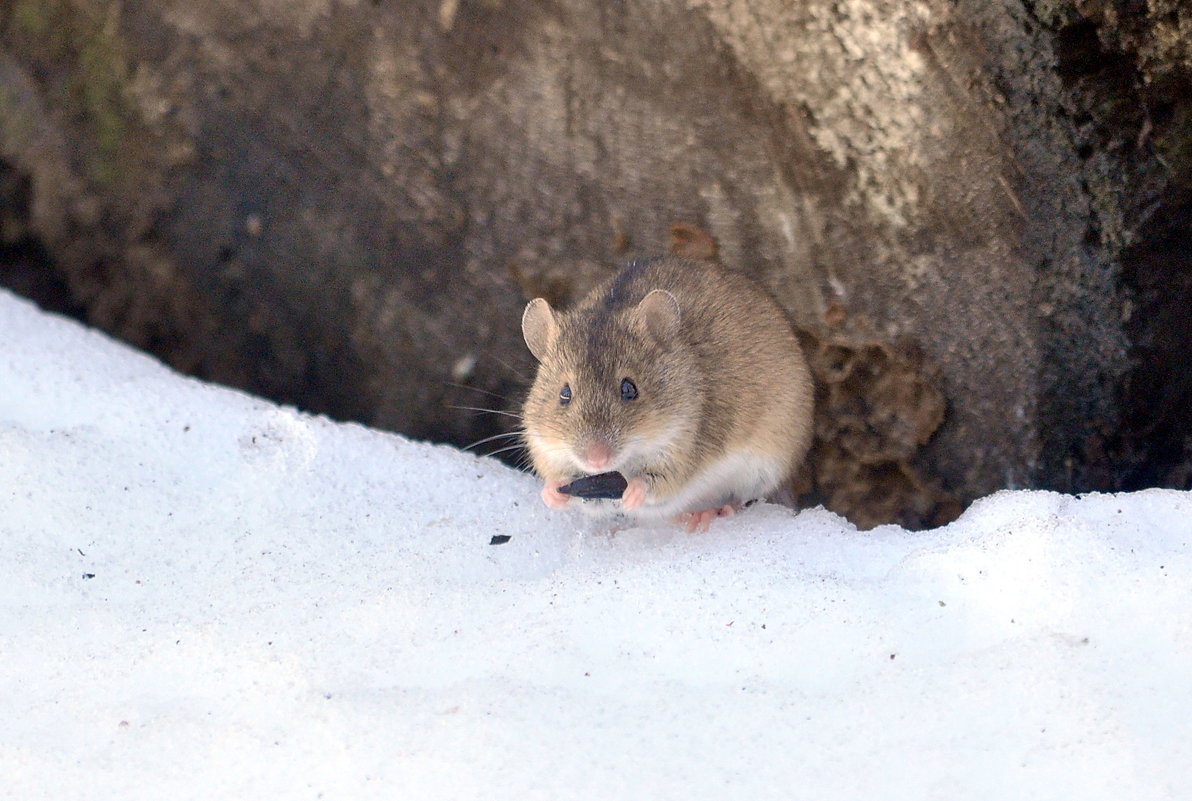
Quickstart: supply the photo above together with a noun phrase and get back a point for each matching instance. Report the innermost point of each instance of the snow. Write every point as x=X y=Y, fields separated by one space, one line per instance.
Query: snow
x=205 y=595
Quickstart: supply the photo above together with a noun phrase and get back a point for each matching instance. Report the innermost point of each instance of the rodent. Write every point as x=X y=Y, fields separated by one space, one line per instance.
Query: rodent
x=685 y=377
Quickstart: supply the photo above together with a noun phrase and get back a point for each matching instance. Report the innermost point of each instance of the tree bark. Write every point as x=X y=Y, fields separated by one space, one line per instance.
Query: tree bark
x=977 y=211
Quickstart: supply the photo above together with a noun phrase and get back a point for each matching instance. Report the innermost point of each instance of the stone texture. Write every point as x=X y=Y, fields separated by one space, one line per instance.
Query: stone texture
x=344 y=205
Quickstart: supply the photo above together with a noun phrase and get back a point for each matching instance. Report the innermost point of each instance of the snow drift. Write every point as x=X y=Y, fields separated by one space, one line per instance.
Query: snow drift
x=209 y=596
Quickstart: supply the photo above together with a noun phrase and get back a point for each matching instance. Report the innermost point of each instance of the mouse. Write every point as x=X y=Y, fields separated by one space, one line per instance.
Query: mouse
x=685 y=377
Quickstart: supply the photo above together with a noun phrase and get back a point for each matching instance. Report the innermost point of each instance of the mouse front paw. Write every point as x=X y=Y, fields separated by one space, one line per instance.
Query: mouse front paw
x=552 y=497
x=634 y=495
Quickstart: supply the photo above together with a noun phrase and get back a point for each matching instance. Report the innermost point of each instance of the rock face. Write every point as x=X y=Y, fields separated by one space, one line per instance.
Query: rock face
x=978 y=210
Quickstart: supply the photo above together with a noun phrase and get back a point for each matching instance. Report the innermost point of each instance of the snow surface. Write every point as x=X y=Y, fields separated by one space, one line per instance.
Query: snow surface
x=204 y=595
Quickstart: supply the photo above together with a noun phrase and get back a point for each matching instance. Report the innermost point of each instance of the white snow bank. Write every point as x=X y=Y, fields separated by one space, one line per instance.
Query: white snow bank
x=207 y=596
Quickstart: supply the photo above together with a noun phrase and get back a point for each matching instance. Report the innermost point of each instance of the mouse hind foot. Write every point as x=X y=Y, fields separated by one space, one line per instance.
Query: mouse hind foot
x=700 y=520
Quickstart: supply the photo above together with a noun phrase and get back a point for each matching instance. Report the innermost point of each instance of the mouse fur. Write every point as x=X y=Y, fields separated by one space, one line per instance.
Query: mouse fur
x=684 y=376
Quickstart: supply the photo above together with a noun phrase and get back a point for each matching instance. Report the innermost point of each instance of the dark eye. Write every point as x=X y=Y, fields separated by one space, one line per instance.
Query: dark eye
x=628 y=390
x=565 y=395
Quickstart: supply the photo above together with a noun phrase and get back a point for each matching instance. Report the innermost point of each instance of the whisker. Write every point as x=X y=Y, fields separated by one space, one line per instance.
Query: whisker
x=503 y=435
x=479 y=356
x=482 y=409
x=511 y=368
x=506 y=449
x=490 y=393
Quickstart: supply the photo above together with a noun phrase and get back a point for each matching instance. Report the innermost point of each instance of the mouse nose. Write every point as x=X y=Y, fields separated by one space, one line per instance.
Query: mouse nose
x=598 y=455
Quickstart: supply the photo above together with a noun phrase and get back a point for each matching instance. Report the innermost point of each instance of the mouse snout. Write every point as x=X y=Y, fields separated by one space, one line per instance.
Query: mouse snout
x=597 y=455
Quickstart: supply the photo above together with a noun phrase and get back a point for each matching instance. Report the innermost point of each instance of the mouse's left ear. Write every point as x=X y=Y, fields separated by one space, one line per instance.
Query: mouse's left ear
x=539 y=327
x=659 y=314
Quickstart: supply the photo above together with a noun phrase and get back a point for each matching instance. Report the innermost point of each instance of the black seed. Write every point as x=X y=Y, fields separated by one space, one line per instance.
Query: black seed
x=602 y=485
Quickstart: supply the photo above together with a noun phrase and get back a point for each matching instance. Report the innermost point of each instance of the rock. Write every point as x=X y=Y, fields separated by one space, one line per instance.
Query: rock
x=345 y=205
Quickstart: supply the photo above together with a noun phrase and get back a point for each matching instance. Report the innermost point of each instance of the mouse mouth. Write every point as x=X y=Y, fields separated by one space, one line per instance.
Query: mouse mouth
x=596 y=456
x=600 y=456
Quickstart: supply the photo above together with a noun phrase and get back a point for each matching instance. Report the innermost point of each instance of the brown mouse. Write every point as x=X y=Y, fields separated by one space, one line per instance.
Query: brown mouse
x=683 y=376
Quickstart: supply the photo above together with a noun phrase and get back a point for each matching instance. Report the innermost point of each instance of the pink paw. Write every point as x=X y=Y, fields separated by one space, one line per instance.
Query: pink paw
x=552 y=497
x=634 y=495
x=701 y=520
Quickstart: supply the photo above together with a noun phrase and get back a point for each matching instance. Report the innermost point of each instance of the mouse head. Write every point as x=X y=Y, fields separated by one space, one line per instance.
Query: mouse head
x=616 y=387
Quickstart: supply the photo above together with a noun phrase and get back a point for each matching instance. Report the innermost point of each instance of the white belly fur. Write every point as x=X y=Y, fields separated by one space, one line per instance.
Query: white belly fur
x=740 y=476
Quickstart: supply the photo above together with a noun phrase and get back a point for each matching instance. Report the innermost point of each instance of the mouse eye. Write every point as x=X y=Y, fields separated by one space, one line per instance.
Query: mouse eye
x=565 y=395
x=628 y=390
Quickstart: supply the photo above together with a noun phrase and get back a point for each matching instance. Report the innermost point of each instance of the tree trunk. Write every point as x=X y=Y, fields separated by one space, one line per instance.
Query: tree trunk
x=344 y=205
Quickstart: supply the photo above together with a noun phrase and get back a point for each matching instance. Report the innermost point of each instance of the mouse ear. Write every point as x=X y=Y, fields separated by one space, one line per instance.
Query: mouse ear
x=539 y=327
x=659 y=313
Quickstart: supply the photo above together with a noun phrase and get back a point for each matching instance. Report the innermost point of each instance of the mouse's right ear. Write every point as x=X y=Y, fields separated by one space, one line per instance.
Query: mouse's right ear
x=539 y=327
